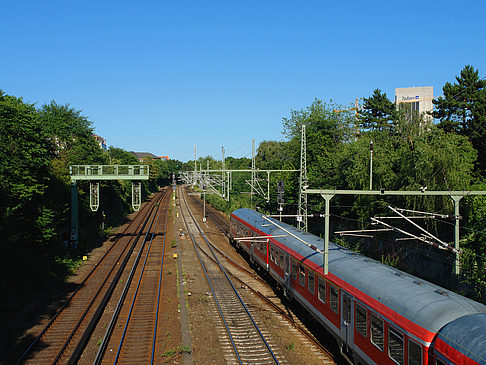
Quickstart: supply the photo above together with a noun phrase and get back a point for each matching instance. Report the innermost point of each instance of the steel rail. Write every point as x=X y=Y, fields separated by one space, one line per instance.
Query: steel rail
x=211 y=287
x=116 y=313
x=142 y=271
x=88 y=307
x=287 y=317
x=78 y=288
x=233 y=287
x=159 y=290
x=211 y=210
x=99 y=311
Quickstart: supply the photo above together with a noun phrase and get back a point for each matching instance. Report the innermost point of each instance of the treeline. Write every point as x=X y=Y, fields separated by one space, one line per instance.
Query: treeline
x=37 y=146
x=410 y=152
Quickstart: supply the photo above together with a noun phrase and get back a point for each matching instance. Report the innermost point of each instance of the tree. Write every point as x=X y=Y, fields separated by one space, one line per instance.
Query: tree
x=118 y=156
x=378 y=113
x=72 y=135
x=270 y=155
x=325 y=130
x=26 y=224
x=462 y=110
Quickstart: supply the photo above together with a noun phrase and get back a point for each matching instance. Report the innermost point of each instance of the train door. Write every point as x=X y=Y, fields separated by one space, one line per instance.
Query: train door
x=252 y=247
x=287 y=275
x=347 y=319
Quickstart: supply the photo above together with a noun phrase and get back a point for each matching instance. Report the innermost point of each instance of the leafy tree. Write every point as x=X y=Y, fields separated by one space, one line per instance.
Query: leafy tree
x=378 y=113
x=473 y=243
x=325 y=131
x=462 y=110
x=72 y=136
x=26 y=225
x=270 y=155
x=118 y=156
x=437 y=160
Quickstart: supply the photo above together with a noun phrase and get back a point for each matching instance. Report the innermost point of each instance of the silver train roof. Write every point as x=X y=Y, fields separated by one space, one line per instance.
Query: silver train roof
x=468 y=335
x=422 y=302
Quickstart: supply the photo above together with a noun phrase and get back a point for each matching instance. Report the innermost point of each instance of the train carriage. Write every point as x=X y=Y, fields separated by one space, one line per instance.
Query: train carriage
x=378 y=314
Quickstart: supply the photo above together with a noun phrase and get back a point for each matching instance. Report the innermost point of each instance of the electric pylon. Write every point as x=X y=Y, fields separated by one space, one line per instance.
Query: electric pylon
x=223 y=173
x=303 y=184
x=253 y=173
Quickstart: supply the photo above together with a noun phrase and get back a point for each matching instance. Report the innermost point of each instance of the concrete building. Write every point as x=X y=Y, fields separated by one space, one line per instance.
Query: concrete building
x=147 y=155
x=101 y=141
x=415 y=100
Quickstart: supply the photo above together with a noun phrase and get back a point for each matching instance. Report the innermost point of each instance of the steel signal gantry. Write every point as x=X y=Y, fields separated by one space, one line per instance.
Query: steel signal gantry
x=96 y=173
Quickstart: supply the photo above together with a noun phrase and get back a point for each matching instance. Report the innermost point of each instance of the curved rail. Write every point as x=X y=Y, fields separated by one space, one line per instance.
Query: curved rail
x=290 y=319
x=223 y=270
x=213 y=215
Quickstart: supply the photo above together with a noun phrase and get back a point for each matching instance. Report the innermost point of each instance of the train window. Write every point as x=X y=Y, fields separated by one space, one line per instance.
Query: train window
x=272 y=255
x=395 y=345
x=294 y=270
x=414 y=353
x=302 y=275
x=321 y=290
x=439 y=362
x=334 y=299
x=361 y=319
x=311 y=283
x=376 y=329
x=281 y=260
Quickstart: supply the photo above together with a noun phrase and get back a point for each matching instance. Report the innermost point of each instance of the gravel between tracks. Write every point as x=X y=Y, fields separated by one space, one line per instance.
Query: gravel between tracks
x=196 y=342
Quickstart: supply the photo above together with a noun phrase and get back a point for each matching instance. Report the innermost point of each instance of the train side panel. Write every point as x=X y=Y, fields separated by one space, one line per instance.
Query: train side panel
x=353 y=310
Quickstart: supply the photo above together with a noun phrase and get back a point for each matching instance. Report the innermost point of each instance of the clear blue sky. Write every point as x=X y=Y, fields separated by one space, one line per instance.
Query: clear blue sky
x=161 y=76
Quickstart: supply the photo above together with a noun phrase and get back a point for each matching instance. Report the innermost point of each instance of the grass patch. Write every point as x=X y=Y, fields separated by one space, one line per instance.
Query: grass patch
x=168 y=353
x=179 y=350
x=70 y=263
x=184 y=349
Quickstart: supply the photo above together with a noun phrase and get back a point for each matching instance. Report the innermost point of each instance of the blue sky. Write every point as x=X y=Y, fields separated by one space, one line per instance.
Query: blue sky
x=161 y=76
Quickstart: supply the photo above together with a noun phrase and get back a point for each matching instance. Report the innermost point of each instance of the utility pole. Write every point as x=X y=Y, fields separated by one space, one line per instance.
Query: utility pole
x=253 y=173
x=371 y=165
x=223 y=175
x=303 y=184
x=195 y=167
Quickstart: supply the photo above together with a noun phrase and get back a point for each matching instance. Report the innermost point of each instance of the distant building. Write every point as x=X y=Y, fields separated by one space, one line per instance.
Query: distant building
x=415 y=101
x=143 y=155
x=101 y=141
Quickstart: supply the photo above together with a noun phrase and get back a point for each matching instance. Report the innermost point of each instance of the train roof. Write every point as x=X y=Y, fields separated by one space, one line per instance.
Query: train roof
x=422 y=302
x=467 y=335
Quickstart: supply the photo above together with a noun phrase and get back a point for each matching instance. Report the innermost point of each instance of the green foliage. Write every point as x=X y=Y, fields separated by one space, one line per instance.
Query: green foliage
x=290 y=346
x=181 y=349
x=462 y=110
x=378 y=113
x=37 y=146
x=25 y=221
x=118 y=156
x=169 y=353
x=390 y=261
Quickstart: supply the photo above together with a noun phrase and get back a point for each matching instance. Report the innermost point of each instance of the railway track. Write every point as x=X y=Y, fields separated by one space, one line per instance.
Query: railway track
x=244 y=276
x=65 y=336
x=133 y=329
x=246 y=342
x=214 y=215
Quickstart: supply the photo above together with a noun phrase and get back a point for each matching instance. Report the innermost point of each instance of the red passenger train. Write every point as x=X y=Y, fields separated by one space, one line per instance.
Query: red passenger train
x=378 y=314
